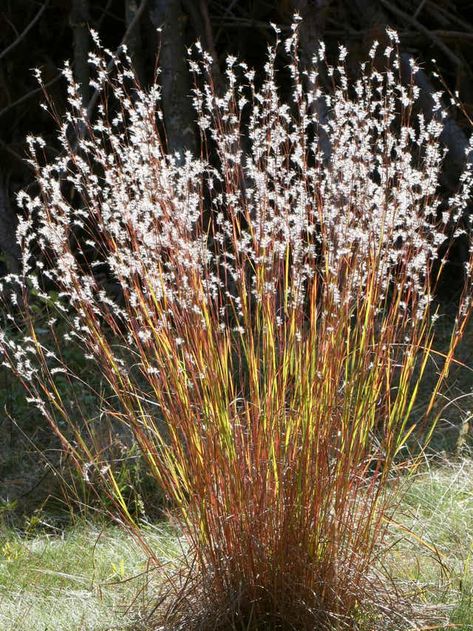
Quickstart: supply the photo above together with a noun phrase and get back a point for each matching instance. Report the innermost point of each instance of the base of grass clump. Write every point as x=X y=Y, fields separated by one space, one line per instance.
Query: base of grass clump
x=421 y=577
x=384 y=613
x=81 y=578
x=197 y=602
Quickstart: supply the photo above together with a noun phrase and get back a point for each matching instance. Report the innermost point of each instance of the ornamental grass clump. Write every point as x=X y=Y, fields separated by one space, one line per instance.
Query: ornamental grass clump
x=261 y=317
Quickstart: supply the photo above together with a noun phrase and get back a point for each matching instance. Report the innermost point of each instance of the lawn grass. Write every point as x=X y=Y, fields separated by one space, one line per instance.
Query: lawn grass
x=92 y=577
x=85 y=578
x=433 y=557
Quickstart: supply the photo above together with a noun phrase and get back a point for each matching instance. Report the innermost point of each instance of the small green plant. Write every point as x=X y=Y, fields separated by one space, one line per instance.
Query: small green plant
x=11 y=551
x=268 y=326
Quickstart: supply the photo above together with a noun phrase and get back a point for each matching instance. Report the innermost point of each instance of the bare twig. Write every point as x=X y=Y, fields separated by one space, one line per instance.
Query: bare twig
x=439 y=10
x=10 y=23
x=14 y=154
x=419 y=8
x=29 y=95
x=422 y=29
x=455 y=35
x=230 y=7
x=418 y=38
x=104 y=13
x=23 y=34
x=242 y=22
x=227 y=11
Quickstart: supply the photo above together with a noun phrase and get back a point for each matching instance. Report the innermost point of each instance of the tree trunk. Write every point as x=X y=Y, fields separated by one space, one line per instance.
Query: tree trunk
x=8 y=223
x=134 y=42
x=175 y=78
x=79 y=20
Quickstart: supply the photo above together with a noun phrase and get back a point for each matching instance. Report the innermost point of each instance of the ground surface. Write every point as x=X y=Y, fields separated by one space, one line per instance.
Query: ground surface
x=86 y=578
x=93 y=578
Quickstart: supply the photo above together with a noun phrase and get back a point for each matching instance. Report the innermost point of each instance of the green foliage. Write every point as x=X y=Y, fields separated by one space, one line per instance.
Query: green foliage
x=85 y=578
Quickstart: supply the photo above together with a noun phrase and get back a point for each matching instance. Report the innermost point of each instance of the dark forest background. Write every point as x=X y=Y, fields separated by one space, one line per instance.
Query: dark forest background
x=44 y=33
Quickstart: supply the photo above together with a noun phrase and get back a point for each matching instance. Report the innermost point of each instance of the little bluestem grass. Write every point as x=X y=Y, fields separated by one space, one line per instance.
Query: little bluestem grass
x=266 y=324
